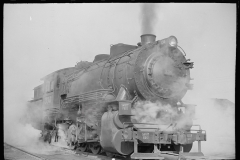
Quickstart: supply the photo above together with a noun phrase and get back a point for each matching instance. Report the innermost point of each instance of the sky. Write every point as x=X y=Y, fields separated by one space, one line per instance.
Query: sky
x=42 y=38
x=39 y=39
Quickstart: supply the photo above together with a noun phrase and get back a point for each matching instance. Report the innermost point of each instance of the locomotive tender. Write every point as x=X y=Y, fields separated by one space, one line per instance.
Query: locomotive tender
x=98 y=99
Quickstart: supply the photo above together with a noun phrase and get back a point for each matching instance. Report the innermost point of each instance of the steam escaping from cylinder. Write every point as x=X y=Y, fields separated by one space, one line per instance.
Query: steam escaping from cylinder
x=215 y=116
x=148 y=17
x=21 y=129
x=165 y=116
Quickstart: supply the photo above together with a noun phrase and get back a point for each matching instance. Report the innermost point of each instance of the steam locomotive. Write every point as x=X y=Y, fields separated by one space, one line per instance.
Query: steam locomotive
x=93 y=103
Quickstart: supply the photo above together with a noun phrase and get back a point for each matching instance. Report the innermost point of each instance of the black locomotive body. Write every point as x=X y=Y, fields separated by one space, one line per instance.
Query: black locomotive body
x=98 y=98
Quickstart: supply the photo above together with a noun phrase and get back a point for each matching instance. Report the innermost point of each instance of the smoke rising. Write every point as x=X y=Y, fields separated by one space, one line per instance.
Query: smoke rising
x=148 y=17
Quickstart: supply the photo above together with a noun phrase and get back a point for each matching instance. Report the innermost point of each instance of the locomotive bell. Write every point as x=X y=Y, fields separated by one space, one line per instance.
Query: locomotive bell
x=147 y=38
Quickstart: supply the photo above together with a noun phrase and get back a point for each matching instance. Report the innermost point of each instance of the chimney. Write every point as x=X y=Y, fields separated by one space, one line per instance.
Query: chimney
x=147 y=38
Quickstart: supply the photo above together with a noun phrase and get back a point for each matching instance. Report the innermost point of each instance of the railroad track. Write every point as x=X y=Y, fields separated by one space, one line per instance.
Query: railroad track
x=102 y=157
x=21 y=154
x=27 y=155
x=67 y=153
x=90 y=155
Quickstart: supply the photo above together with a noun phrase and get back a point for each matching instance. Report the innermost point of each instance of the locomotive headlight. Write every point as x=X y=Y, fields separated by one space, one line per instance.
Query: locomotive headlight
x=173 y=41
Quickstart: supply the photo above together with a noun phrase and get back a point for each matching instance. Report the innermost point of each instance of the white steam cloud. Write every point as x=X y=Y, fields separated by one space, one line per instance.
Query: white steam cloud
x=20 y=131
x=164 y=115
x=217 y=118
x=214 y=115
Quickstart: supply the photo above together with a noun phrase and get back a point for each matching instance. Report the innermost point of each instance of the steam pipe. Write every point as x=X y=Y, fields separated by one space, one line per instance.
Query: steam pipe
x=85 y=131
x=199 y=146
x=122 y=94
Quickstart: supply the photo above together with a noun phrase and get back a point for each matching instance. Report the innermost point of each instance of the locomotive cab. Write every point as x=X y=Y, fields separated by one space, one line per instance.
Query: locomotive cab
x=51 y=91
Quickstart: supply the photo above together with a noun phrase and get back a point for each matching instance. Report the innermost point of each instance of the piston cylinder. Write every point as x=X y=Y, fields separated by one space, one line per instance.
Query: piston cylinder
x=111 y=135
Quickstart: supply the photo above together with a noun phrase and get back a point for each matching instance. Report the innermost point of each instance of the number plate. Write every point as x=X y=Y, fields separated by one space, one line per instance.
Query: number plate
x=124 y=108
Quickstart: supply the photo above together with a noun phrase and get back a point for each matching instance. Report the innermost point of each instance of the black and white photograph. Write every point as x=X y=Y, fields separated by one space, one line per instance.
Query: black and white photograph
x=119 y=81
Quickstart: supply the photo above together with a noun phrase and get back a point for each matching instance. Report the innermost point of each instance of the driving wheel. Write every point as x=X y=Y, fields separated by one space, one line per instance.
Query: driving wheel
x=96 y=149
x=83 y=147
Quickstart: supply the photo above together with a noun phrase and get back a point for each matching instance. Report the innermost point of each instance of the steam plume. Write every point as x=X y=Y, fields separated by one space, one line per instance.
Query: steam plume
x=214 y=116
x=148 y=18
x=217 y=118
x=19 y=131
x=164 y=115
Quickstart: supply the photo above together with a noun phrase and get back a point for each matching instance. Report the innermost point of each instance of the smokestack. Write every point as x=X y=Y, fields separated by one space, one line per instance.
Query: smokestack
x=147 y=38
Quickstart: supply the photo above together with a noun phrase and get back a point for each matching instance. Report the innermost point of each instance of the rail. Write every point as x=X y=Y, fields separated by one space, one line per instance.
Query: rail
x=28 y=153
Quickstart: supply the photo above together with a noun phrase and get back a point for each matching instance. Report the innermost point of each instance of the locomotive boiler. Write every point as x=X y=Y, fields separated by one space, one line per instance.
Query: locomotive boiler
x=93 y=102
